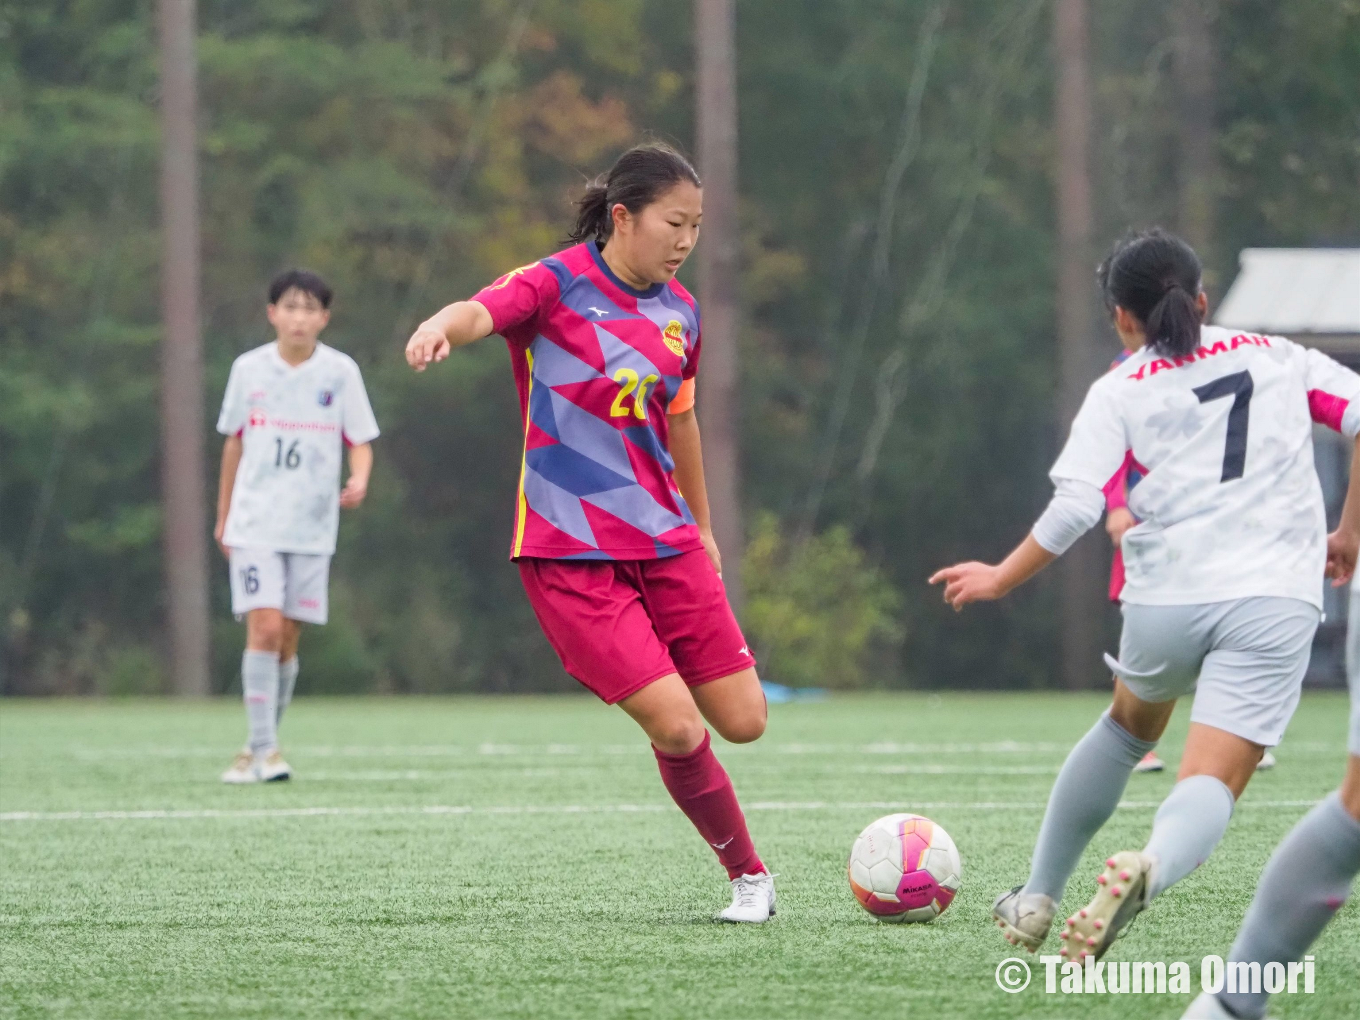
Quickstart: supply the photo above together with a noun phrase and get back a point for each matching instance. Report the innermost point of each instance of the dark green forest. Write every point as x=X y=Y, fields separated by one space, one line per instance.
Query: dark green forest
x=898 y=358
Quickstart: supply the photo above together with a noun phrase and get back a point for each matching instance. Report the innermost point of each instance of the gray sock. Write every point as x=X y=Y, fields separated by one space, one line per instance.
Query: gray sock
x=1307 y=879
x=288 y=672
x=260 y=685
x=1084 y=796
x=1188 y=826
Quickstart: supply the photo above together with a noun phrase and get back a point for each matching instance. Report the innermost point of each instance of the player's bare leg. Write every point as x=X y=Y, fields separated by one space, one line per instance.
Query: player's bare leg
x=1215 y=769
x=1085 y=794
x=1150 y=762
x=667 y=711
x=734 y=706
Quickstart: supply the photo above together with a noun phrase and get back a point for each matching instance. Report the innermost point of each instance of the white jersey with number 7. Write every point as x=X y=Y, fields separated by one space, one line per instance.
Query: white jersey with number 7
x=294 y=423
x=1230 y=505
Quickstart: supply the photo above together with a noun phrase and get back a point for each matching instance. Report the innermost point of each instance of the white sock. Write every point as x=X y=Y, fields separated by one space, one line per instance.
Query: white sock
x=1085 y=794
x=1188 y=826
x=1307 y=880
x=260 y=686
x=288 y=672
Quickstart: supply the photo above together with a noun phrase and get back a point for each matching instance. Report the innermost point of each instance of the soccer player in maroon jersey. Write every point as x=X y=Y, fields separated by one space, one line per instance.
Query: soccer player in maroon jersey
x=621 y=569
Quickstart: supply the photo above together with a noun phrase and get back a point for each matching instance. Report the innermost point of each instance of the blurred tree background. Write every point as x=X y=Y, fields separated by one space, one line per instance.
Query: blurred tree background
x=898 y=356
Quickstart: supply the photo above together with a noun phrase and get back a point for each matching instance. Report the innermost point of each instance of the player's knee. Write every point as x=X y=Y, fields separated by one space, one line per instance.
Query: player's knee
x=743 y=729
x=677 y=735
x=265 y=631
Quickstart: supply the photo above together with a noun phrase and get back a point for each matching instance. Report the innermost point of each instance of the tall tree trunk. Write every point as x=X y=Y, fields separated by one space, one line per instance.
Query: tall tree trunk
x=719 y=284
x=184 y=540
x=1195 y=71
x=1082 y=569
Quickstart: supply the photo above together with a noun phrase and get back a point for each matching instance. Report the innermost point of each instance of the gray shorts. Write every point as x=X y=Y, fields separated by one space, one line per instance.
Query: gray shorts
x=1244 y=659
x=1353 y=666
x=295 y=583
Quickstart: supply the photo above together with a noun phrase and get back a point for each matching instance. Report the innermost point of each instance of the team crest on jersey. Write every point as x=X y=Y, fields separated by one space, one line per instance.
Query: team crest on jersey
x=258 y=419
x=325 y=398
x=505 y=280
x=674 y=336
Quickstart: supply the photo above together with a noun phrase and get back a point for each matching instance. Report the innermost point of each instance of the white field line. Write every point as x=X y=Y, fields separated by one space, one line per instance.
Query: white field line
x=563 y=809
x=640 y=748
x=418 y=775
x=581 y=750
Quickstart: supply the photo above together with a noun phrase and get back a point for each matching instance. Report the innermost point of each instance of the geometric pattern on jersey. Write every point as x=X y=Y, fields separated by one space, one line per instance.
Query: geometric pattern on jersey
x=596 y=365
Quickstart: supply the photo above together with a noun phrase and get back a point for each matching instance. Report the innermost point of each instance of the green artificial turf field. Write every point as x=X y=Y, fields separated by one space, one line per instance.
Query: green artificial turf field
x=519 y=858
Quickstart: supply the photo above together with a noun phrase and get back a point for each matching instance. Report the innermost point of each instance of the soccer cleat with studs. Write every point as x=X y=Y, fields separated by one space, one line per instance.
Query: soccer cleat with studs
x=752 y=900
x=1121 y=895
x=1024 y=918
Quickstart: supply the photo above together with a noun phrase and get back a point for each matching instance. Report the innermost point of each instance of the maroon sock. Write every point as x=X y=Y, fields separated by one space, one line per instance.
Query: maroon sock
x=700 y=786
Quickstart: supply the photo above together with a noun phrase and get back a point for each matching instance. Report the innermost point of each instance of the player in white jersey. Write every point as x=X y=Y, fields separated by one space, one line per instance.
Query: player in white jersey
x=290 y=410
x=1224 y=576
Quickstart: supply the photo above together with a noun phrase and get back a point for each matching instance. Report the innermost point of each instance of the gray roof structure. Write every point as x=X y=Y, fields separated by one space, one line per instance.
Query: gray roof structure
x=1311 y=295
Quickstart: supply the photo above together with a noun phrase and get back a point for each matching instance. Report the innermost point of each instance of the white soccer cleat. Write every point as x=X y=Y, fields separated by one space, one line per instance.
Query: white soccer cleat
x=752 y=900
x=1024 y=918
x=1150 y=763
x=271 y=768
x=242 y=770
x=1267 y=762
x=1121 y=895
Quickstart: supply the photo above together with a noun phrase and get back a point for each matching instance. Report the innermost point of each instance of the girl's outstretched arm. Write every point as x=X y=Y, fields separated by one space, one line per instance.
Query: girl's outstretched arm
x=982 y=582
x=454 y=325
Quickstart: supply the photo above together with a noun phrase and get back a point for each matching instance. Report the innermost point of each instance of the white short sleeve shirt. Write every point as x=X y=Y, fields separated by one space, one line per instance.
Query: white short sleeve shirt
x=1230 y=505
x=294 y=423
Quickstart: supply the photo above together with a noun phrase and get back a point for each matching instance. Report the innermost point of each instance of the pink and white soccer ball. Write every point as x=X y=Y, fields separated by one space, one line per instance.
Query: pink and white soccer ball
x=905 y=868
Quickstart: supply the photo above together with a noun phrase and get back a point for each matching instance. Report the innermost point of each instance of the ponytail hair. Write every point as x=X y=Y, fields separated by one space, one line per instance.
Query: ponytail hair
x=635 y=181
x=1156 y=276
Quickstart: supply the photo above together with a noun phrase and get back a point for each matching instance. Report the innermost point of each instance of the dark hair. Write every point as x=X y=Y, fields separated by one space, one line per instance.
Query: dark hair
x=635 y=180
x=299 y=279
x=1156 y=276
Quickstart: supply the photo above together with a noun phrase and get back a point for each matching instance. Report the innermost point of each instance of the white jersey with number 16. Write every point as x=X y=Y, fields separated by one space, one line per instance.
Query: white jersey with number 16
x=1230 y=505
x=294 y=422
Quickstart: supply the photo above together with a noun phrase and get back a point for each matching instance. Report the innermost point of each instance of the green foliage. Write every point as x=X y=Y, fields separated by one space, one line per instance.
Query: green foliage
x=897 y=351
x=820 y=614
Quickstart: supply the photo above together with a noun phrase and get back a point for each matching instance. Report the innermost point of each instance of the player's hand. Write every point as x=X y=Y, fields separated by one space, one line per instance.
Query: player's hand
x=1117 y=522
x=711 y=547
x=1342 y=549
x=218 y=529
x=354 y=492
x=425 y=346
x=968 y=582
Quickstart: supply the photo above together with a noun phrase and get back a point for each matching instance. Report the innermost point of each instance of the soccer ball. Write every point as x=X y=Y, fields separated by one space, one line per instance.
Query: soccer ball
x=905 y=868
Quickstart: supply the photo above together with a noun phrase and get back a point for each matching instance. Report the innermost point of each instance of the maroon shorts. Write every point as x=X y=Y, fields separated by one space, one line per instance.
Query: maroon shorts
x=617 y=625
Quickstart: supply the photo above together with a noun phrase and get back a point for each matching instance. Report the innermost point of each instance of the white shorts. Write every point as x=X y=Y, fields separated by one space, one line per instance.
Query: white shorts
x=1244 y=659
x=295 y=583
